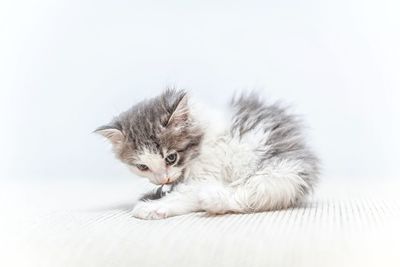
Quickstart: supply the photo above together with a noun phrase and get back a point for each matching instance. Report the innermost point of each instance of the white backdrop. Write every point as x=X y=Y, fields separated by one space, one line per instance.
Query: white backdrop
x=67 y=67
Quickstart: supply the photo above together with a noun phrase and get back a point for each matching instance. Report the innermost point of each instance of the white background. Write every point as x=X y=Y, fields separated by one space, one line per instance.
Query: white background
x=67 y=67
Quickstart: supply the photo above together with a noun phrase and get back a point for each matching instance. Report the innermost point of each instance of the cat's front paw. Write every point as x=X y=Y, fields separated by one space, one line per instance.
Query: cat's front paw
x=149 y=211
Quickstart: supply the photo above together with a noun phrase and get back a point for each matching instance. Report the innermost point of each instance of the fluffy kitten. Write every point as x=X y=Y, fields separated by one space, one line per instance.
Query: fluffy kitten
x=254 y=160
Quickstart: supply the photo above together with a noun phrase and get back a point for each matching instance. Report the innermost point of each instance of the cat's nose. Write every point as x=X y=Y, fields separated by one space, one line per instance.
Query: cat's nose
x=166 y=180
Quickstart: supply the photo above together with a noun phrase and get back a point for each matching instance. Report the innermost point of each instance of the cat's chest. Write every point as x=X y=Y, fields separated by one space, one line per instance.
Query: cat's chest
x=224 y=158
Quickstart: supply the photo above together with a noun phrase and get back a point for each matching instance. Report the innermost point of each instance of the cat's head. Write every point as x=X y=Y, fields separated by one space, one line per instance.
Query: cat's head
x=156 y=138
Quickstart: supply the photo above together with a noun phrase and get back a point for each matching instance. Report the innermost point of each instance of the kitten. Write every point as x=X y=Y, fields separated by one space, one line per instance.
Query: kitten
x=254 y=160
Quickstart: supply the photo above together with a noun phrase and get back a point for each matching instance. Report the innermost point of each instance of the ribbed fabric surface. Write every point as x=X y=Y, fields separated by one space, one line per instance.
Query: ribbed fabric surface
x=326 y=231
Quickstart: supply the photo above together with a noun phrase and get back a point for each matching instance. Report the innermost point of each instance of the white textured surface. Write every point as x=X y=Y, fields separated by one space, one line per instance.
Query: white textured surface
x=84 y=224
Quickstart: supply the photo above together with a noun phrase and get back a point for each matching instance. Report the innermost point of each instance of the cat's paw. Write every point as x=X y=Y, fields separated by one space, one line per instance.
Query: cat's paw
x=149 y=211
x=213 y=200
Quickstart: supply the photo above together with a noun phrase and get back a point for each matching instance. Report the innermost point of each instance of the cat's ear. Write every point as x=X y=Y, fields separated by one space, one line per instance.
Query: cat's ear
x=181 y=112
x=112 y=133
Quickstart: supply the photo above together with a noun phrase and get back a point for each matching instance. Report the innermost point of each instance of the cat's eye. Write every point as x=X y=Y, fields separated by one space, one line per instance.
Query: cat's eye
x=171 y=159
x=142 y=167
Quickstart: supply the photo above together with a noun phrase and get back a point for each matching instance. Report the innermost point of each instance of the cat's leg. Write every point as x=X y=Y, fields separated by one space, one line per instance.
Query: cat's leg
x=268 y=189
x=216 y=198
x=180 y=201
x=270 y=192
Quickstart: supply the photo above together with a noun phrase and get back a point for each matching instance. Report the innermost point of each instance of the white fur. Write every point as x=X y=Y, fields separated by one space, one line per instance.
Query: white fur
x=226 y=178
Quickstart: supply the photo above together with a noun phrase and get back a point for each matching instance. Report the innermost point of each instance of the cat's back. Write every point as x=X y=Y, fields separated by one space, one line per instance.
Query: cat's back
x=270 y=128
x=250 y=135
